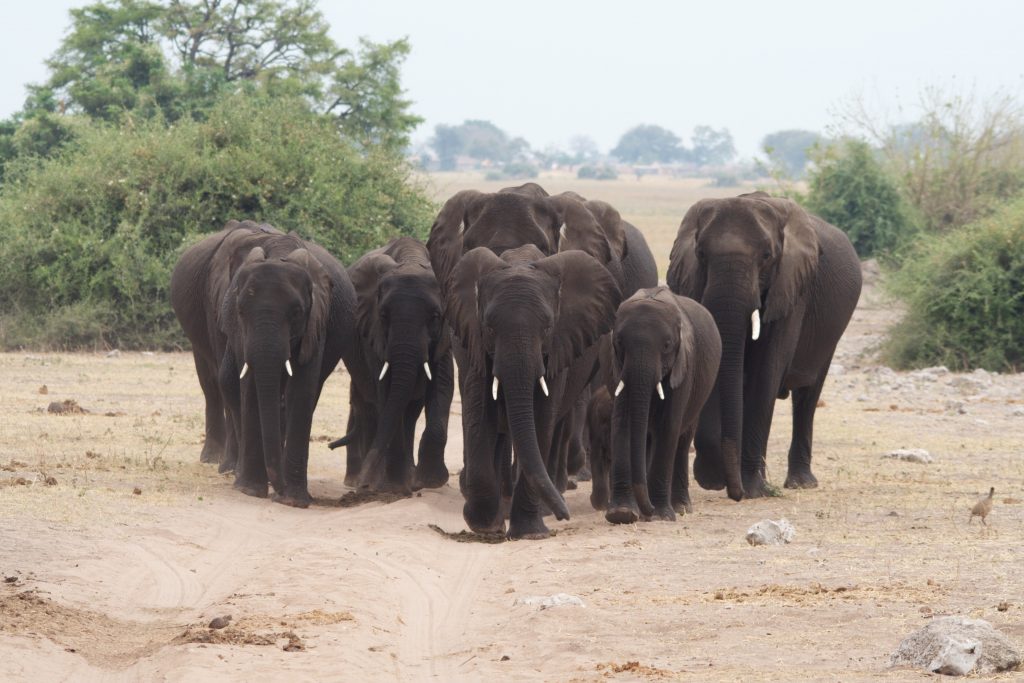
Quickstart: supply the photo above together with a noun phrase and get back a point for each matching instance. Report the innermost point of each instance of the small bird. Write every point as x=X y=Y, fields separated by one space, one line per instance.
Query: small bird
x=983 y=507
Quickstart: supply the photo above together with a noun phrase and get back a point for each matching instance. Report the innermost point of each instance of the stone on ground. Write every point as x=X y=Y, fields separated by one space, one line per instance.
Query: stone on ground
x=956 y=646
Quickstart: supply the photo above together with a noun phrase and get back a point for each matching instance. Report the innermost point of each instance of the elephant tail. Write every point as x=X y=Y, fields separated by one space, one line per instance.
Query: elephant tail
x=343 y=441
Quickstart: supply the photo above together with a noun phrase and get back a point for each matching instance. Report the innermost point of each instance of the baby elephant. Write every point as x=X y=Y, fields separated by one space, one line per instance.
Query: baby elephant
x=666 y=354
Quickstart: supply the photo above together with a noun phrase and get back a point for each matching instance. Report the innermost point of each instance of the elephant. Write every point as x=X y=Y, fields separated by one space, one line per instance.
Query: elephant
x=781 y=285
x=666 y=350
x=407 y=369
x=521 y=320
x=269 y=316
x=599 y=445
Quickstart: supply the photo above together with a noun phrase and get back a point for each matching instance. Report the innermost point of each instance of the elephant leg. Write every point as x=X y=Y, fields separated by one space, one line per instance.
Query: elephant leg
x=479 y=478
x=506 y=476
x=228 y=387
x=599 y=493
x=251 y=472
x=215 y=418
x=557 y=465
x=708 y=465
x=577 y=459
x=354 y=449
x=526 y=520
x=622 y=508
x=665 y=447
x=680 y=475
x=431 y=472
x=301 y=399
x=805 y=403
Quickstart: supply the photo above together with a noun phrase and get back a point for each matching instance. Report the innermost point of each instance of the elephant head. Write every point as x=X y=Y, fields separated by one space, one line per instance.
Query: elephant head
x=275 y=317
x=524 y=318
x=399 y=316
x=749 y=260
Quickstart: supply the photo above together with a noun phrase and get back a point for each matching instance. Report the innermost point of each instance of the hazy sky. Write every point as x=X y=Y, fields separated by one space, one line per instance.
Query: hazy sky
x=549 y=70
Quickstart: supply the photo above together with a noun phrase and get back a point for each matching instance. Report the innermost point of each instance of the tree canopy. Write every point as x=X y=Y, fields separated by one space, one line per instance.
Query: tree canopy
x=647 y=144
x=790 y=148
x=710 y=147
x=480 y=140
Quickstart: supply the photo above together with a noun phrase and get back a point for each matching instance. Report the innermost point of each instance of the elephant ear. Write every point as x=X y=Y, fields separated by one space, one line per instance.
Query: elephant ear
x=366 y=274
x=316 y=321
x=463 y=304
x=610 y=221
x=686 y=274
x=445 y=241
x=798 y=262
x=681 y=366
x=580 y=228
x=587 y=299
x=229 y=305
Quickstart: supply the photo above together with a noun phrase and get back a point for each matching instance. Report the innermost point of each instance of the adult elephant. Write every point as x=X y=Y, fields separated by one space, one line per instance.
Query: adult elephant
x=269 y=317
x=781 y=285
x=406 y=351
x=522 y=320
x=666 y=350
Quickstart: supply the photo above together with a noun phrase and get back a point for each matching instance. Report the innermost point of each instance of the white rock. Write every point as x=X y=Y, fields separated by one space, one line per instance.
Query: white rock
x=836 y=369
x=1017 y=412
x=549 y=601
x=113 y=354
x=768 y=532
x=957 y=646
x=911 y=455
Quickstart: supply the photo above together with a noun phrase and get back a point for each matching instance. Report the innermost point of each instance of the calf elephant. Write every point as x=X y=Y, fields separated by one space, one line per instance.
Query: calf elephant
x=666 y=350
x=405 y=348
x=269 y=317
x=781 y=285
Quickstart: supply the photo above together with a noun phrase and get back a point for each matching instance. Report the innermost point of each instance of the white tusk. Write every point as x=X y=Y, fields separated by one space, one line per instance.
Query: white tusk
x=755 y=325
x=245 y=369
x=618 y=389
x=383 y=371
x=288 y=367
x=544 y=386
x=494 y=389
x=426 y=369
x=661 y=392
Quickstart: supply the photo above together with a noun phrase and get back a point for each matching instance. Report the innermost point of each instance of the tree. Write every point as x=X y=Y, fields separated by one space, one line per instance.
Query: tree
x=789 y=149
x=710 y=147
x=480 y=140
x=647 y=144
x=447 y=143
x=850 y=189
x=583 y=148
x=179 y=58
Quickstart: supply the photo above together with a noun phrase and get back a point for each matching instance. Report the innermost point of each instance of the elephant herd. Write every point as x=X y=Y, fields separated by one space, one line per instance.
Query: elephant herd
x=572 y=360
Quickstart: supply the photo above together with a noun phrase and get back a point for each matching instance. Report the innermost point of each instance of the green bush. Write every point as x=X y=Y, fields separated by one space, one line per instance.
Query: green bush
x=965 y=297
x=91 y=235
x=850 y=189
x=594 y=172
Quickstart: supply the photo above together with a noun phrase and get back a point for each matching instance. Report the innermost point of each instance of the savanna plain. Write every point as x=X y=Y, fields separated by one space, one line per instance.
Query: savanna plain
x=117 y=548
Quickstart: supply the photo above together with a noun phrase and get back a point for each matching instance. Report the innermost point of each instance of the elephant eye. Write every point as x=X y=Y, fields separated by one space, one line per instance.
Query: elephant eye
x=766 y=254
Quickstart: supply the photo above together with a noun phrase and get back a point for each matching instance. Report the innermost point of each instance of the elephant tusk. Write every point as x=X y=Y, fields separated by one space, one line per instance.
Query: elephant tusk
x=426 y=369
x=544 y=386
x=661 y=392
x=618 y=389
x=245 y=369
x=755 y=325
x=288 y=367
x=494 y=389
x=383 y=371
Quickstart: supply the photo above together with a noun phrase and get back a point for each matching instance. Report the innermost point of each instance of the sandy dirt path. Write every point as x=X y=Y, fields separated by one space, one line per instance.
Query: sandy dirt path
x=101 y=583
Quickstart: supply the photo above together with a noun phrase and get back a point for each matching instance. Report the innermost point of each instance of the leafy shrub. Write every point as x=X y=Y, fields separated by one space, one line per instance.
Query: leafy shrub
x=597 y=172
x=512 y=170
x=91 y=235
x=965 y=297
x=850 y=189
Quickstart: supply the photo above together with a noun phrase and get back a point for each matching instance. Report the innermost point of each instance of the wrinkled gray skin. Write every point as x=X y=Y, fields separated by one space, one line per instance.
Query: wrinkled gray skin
x=250 y=295
x=667 y=341
x=501 y=222
x=399 y=316
x=599 y=445
x=760 y=253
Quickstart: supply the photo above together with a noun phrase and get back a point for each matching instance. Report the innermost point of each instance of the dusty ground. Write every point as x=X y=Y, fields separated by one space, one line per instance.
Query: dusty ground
x=117 y=548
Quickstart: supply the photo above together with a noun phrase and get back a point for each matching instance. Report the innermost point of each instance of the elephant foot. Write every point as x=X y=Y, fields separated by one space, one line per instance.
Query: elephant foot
x=527 y=527
x=212 y=452
x=352 y=480
x=253 y=489
x=708 y=473
x=295 y=498
x=227 y=465
x=801 y=479
x=622 y=512
x=754 y=486
x=484 y=515
x=682 y=505
x=430 y=477
x=584 y=473
x=663 y=513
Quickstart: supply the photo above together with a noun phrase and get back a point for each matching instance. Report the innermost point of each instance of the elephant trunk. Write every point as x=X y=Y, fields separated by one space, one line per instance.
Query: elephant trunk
x=732 y=318
x=519 y=398
x=405 y=361
x=641 y=378
x=268 y=364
